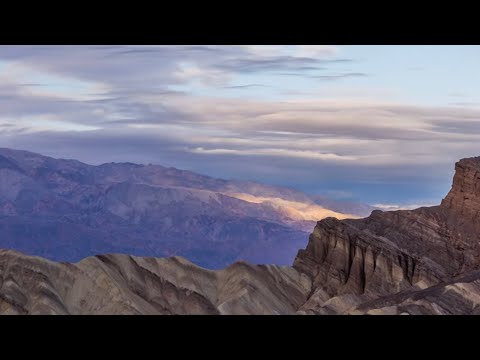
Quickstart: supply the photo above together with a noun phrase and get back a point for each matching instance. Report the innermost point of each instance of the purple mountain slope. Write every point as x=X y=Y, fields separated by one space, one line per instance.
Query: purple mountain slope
x=66 y=210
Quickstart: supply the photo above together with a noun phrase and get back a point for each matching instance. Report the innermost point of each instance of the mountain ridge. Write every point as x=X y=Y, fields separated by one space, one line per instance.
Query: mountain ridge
x=147 y=210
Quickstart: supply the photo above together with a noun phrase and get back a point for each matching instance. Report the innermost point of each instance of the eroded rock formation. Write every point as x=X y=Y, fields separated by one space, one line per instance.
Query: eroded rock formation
x=122 y=284
x=390 y=252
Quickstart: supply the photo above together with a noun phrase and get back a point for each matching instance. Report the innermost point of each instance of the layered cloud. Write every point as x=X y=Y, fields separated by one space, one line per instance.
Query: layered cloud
x=143 y=103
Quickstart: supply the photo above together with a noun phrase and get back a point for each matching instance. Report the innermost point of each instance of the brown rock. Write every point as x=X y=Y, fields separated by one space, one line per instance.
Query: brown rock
x=121 y=284
x=389 y=252
x=464 y=197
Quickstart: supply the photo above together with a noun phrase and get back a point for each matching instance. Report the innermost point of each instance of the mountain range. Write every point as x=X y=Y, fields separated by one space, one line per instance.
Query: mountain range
x=409 y=262
x=65 y=210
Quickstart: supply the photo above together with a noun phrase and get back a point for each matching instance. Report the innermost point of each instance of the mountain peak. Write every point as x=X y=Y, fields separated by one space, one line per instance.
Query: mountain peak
x=464 y=196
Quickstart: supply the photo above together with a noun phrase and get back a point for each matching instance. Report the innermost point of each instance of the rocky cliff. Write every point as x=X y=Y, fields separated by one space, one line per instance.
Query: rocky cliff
x=423 y=261
x=464 y=197
x=357 y=260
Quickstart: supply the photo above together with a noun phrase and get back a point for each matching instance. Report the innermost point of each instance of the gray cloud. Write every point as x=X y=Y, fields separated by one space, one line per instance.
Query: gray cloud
x=271 y=64
x=340 y=76
x=131 y=113
x=142 y=65
x=457 y=126
x=465 y=103
x=278 y=63
x=327 y=77
x=246 y=86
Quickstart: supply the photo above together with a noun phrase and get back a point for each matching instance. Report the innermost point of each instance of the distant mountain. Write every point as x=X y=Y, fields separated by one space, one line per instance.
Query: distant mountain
x=66 y=210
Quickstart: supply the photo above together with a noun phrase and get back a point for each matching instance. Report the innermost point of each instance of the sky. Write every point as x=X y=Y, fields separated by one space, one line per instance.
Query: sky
x=375 y=124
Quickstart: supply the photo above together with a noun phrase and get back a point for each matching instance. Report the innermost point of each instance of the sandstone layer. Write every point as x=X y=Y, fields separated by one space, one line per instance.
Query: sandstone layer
x=357 y=260
x=121 y=284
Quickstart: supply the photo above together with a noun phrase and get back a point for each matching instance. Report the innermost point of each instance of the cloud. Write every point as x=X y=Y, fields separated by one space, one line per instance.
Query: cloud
x=327 y=77
x=264 y=50
x=341 y=132
x=396 y=207
x=466 y=103
x=188 y=72
x=246 y=86
x=316 y=51
x=141 y=65
x=142 y=104
x=457 y=126
x=306 y=154
x=340 y=76
x=302 y=51
x=339 y=194
x=271 y=64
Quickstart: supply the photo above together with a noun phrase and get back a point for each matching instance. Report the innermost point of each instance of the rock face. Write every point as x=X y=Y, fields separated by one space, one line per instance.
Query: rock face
x=423 y=261
x=357 y=260
x=464 y=198
x=121 y=284
x=455 y=297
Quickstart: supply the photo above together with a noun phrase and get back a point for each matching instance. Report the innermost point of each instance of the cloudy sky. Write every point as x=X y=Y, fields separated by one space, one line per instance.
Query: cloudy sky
x=378 y=124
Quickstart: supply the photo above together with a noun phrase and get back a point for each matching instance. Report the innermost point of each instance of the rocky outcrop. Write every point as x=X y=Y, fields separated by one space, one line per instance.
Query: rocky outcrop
x=460 y=296
x=464 y=197
x=390 y=252
x=121 y=284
